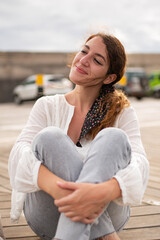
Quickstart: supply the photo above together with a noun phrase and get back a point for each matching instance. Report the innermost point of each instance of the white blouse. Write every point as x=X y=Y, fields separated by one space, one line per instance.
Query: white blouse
x=56 y=111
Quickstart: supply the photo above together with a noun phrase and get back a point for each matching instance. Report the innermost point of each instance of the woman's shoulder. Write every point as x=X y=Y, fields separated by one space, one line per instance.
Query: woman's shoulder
x=54 y=99
x=127 y=114
x=130 y=110
x=53 y=104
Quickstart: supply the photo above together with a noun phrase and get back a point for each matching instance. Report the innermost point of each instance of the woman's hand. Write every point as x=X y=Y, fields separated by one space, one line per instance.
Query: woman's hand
x=85 y=203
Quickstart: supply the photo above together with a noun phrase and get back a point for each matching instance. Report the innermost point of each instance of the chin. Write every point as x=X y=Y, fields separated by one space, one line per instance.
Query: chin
x=74 y=79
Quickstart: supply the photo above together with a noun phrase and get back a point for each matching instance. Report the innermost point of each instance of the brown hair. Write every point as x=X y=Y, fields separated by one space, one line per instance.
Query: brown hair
x=117 y=99
x=117 y=102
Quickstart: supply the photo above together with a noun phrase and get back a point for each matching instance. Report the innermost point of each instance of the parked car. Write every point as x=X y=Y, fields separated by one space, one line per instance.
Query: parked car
x=41 y=85
x=135 y=82
x=154 y=83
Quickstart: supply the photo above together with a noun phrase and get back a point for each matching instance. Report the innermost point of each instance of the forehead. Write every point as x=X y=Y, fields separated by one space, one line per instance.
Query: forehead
x=97 y=45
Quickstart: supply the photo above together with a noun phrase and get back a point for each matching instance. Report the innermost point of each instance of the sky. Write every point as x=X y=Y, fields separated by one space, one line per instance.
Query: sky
x=63 y=25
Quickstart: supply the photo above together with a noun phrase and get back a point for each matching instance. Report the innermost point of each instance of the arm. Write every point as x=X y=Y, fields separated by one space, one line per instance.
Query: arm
x=23 y=165
x=47 y=181
x=133 y=179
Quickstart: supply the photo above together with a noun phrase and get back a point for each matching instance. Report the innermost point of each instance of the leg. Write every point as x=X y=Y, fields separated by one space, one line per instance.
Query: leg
x=58 y=153
x=110 y=151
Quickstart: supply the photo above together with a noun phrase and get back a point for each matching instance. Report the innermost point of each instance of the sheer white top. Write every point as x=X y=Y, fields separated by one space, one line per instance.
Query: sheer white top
x=56 y=111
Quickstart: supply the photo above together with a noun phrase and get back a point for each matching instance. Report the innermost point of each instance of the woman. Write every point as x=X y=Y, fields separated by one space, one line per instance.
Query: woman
x=80 y=158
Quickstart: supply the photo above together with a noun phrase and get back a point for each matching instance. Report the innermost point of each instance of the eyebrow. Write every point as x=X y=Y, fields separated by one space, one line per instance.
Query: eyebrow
x=97 y=54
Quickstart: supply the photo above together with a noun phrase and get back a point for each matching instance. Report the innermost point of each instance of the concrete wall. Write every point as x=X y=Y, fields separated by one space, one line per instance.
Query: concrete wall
x=16 y=66
x=150 y=62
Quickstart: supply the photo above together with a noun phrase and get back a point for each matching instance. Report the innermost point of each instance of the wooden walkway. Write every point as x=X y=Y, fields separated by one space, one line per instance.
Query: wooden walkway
x=144 y=223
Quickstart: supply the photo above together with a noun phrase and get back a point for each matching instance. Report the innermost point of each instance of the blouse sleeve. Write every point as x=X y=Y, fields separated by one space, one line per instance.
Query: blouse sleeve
x=133 y=179
x=23 y=166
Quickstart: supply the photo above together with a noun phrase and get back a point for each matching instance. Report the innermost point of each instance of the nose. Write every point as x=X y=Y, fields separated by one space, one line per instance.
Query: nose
x=85 y=60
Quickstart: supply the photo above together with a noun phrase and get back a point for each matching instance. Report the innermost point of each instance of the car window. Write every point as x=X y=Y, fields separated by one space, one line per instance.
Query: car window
x=151 y=77
x=54 y=80
x=130 y=75
x=29 y=82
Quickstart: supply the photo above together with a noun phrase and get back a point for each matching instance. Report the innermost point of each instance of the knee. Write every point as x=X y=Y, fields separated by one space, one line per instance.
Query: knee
x=115 y=139
x=49 y=136
x=111 y=131
x=114 y=135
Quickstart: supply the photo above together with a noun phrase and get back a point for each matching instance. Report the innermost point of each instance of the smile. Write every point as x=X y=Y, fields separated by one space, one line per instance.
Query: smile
x=80 y=70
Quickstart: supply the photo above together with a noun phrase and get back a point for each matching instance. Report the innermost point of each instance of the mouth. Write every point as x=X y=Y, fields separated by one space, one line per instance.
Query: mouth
x=81 y=70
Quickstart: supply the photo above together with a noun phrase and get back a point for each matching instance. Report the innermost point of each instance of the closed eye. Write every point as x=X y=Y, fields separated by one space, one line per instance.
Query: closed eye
x=83 y=51
x=98 y=61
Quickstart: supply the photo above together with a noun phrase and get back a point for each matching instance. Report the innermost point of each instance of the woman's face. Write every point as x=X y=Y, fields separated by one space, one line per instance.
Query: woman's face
x=90 y=65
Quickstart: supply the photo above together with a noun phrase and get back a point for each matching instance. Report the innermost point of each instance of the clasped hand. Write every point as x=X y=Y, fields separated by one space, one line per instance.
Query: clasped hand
x=84 y=204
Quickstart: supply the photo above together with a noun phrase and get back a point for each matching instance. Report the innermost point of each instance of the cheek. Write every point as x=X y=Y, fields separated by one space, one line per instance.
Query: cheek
x=100 y=73
x=76 y=58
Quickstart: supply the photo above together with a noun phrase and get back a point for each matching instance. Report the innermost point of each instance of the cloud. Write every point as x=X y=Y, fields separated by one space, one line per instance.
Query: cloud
x=50 y=25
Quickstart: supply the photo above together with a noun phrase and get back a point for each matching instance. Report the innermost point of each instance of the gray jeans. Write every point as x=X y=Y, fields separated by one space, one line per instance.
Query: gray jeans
x=108 y=153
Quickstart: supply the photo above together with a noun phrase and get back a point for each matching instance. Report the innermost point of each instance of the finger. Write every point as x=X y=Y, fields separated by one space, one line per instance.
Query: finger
x=76 y=219
x=99 y=211
x=70 y=214
x=65 y=209
x=65 y=201
x=93 y=216
x=87 y=221
x=67 y=185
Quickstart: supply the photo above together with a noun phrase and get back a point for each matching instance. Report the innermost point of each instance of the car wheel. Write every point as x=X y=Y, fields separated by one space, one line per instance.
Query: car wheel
x=17 y=100
x=139 y=97
x=157 y=94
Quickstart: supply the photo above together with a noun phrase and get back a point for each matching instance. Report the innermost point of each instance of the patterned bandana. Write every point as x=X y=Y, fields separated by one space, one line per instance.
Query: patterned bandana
x=94 y=115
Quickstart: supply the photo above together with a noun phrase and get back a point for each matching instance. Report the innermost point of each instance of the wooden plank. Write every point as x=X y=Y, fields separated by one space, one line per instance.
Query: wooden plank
x=3 y=189
x=154 y=171
x=5 y=212
x=4 y=173
x=153 y=184
x=144 y=221
x=4 y=181
x=4 y=194
x=5 y=198
x=152 y=233
x=25 y=238
x=6 y=204
x=18 y=231
x=145 y=210
x=6 y=187
x=151 y=198
x=153 y=192
x=6 y=222
x=4 y=166
x=154 y=178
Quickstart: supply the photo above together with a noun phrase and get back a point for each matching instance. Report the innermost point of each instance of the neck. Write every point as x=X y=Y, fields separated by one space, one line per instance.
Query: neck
x=83 y=97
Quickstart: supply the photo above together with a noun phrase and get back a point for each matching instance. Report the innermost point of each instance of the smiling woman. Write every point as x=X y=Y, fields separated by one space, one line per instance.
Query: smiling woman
x=94 y=55
x=79 y=162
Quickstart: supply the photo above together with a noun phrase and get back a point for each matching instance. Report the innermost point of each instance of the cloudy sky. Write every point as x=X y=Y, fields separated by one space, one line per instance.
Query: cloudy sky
x=62 y=25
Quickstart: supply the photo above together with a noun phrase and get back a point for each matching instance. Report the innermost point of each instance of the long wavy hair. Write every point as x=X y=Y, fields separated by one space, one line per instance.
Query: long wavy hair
x=117 y=99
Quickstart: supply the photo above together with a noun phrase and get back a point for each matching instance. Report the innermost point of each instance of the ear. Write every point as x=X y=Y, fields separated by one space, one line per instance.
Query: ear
x=110 y=78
